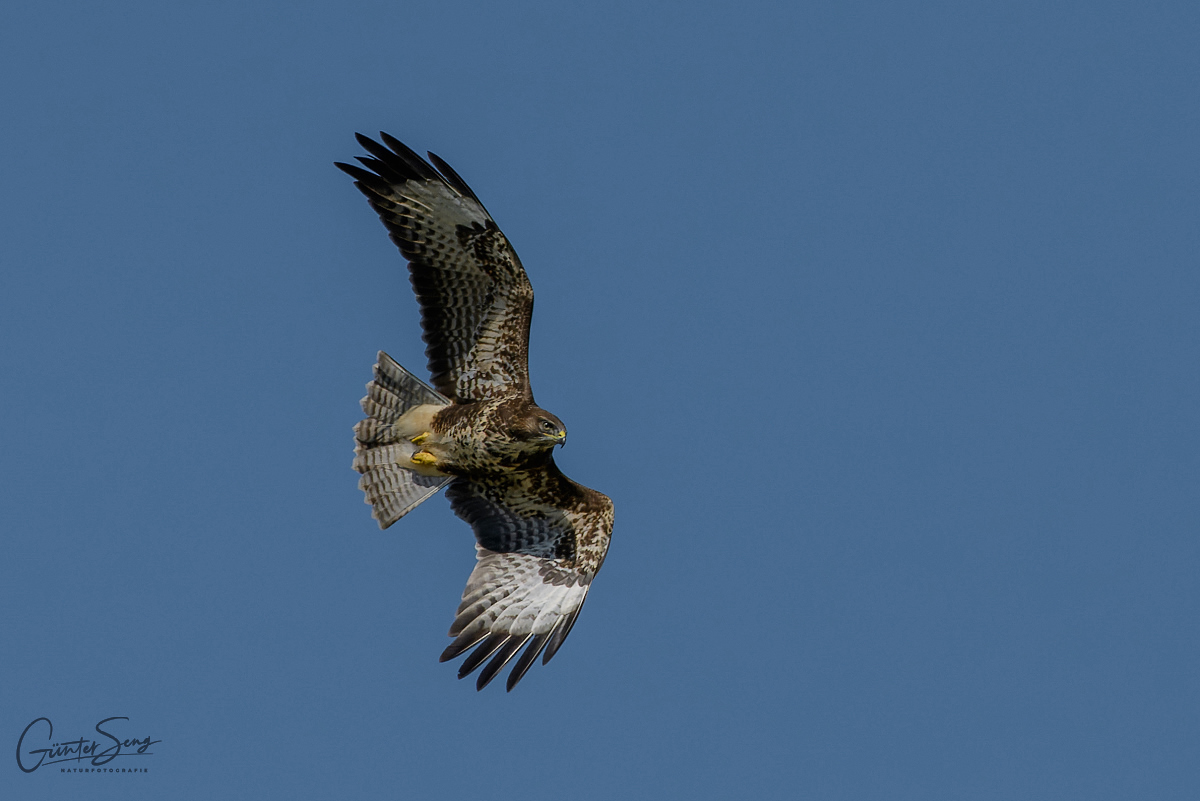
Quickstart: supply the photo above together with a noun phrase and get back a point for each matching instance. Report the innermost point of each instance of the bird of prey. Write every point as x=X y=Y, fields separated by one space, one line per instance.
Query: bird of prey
x=540 y=537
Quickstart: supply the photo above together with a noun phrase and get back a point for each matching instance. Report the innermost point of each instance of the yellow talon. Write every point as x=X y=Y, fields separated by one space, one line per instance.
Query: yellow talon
x=423 y=458
x=419 y=438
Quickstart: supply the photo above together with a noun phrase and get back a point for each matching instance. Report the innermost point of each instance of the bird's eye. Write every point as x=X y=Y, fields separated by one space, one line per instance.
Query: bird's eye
x=548 y=427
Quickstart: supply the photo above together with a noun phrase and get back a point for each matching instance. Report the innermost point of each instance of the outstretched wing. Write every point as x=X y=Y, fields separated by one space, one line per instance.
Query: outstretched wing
x=476 y=301
x=541 y=539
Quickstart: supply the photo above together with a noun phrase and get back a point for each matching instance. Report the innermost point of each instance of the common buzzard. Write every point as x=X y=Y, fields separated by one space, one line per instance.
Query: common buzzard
x=540 y=537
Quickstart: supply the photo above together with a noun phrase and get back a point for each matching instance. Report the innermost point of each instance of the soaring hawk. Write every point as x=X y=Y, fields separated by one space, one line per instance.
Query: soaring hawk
x=540 y=537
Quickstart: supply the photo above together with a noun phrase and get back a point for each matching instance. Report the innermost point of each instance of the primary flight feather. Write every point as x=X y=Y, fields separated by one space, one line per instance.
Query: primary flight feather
x=540 y=537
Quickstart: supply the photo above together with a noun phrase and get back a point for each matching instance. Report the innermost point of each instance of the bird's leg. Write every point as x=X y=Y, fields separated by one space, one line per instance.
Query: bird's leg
x=423 y=458
x=416 y=426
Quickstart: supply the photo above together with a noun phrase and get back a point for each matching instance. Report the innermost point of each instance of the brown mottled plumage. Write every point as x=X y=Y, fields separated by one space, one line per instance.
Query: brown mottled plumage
x=541 y=537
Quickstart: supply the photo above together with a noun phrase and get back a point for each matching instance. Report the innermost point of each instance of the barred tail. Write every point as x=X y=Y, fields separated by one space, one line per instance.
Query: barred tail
x=391 y=490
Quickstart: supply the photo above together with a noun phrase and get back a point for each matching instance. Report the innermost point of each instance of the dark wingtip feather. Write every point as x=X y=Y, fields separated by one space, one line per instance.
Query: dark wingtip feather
x=353 y=170
x=485 y=649
x=374 y=148
x=528 y=657
x=383 y=169
x=460 y=645
x=366 y=142
x=560 y=634
x=500 y=660
x=409 y=157
x=454 y=179
x=399 y=167
x=367 y=182
x=401 y=149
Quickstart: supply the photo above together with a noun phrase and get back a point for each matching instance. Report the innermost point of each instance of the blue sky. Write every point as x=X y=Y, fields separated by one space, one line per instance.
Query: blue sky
x=877 y=321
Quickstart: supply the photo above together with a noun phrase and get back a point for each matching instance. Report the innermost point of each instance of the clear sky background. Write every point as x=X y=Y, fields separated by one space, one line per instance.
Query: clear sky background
x=878 y=322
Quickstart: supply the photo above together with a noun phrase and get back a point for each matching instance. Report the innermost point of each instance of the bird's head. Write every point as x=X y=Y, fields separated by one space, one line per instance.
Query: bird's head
x=539 y=427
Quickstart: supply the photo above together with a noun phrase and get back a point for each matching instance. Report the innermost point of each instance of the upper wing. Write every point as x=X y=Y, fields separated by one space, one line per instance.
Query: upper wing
x=476 y=301
x=541 y=540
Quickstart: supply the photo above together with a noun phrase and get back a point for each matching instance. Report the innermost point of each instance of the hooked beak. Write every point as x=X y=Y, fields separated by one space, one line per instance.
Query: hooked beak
x=561 y=436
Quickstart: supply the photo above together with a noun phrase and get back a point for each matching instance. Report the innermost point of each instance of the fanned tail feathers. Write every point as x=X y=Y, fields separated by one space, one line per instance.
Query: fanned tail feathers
x=391 y=490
